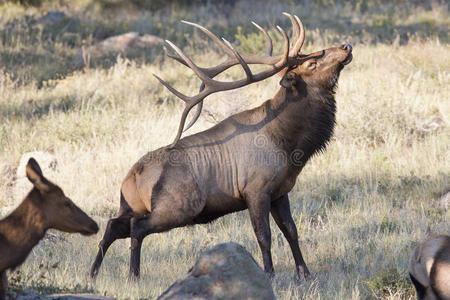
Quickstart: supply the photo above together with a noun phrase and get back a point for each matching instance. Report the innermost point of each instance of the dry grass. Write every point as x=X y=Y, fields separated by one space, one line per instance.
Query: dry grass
x=360 y=207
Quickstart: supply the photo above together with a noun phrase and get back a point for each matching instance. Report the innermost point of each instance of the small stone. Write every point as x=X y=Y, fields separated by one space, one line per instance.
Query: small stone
x=444 y=202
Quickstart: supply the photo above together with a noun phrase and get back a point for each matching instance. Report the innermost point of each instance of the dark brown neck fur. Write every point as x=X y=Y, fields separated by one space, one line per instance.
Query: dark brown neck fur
x=20 y=232
x=305 y=119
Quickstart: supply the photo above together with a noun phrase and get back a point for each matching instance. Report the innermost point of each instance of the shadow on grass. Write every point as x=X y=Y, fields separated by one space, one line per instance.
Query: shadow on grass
x=38 y=109
x=39 y=49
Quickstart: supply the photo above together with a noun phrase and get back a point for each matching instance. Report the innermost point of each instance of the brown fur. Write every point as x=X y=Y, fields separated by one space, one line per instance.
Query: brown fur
x=429 y=268
x=248 y=161
x=44 y=207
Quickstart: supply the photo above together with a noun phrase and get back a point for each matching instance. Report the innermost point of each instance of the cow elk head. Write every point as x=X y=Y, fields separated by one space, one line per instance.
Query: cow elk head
x=58 y=211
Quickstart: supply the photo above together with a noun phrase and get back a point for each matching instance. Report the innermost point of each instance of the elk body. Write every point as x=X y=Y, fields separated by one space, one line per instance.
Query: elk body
x=248 y=161
x=43 y=208
x=429 y=268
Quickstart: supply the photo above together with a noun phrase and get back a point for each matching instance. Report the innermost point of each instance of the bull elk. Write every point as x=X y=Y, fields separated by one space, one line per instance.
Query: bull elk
x=43 y=208
x=248 y=161
x=429 y=268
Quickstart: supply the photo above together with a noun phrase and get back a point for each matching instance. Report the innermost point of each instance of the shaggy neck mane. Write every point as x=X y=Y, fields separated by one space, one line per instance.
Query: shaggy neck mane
x=307 y=114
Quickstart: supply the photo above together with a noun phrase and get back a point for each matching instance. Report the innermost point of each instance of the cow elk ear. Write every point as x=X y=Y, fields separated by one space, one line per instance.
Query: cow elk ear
x=288 y=80
x=35 y=176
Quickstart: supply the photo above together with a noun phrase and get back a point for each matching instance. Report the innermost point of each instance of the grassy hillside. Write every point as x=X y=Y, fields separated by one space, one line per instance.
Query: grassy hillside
x=360 y=207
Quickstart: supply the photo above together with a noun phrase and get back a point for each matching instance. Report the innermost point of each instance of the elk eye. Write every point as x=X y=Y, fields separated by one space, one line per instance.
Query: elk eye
x=67 y=203
x=312 y=64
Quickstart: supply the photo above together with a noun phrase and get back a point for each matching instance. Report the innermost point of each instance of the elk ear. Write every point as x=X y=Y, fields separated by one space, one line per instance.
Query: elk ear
x=288 y=80
x=34 y=175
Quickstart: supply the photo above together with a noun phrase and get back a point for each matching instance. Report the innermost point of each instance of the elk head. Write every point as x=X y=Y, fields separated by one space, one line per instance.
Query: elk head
x=57 y=211
x=320 y=69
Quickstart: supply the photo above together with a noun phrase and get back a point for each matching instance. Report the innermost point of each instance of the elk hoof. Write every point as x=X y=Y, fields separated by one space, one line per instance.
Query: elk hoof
x=303 y=273
x=133 y=277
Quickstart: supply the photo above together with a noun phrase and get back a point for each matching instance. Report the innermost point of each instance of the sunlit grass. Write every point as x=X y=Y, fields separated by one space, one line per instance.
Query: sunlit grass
x=360 y=206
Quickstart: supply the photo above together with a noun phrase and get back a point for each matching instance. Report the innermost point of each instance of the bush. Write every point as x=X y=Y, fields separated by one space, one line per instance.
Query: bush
x=390 y=281
x=24 y=2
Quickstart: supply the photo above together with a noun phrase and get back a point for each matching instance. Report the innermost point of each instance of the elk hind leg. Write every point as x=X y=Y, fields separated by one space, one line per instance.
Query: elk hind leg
x=420 y=289
x=281 y=212
x=117 y=228
x=162 y=218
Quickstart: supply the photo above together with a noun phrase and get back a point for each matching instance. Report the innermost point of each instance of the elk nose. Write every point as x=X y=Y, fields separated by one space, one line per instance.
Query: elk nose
x=347 y=47
x=94 y=227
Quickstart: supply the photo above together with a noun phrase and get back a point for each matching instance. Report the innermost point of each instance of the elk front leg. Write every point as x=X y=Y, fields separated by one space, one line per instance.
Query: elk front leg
x=281 y=212
x=3 y=285
x=118 y=228
x=259 y=208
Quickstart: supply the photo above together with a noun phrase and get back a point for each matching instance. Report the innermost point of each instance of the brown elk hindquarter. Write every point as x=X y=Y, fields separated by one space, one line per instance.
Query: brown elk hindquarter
x=176 y=201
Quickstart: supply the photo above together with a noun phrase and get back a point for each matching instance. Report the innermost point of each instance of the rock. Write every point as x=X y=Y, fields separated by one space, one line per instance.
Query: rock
x=127 y=41
x=430 y=125
x=25 y=295
x=30 y=295
x=8 y=175
x=52 y=17
x=444 y=202
x=123 y=43
x=22 y=186
x=226 y=271
x=78 y=297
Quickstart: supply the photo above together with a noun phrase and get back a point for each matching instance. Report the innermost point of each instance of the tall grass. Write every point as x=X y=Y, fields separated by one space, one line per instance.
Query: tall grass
x=360 y=207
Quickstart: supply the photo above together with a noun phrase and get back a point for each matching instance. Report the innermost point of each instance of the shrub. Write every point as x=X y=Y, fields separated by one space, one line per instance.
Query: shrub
x=389 y=282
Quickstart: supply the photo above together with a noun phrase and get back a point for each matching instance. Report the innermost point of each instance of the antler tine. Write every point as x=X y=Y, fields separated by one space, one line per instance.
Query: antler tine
x=177 y=93
x=212 y=36
x=178 y=59
x=286 y=48
x=269 y=39
x=198 y=111
x=190 y=63
x=295 y=27
x=241 y=61
x=184 y=115
x=301 y=39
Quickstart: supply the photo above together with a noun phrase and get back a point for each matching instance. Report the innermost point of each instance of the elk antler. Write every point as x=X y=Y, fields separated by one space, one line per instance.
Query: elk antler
x=206 y=75
x=298 y=36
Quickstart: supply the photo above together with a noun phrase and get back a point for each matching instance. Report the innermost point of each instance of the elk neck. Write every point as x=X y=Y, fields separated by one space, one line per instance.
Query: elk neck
x=22 y=229
x=304 y=118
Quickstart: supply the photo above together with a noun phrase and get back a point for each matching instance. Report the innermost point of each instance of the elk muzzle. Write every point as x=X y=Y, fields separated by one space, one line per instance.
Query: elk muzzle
x=348 y=59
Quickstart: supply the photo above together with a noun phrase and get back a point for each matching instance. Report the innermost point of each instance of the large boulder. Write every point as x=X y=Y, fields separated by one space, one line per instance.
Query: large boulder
x=226 y=271
x=126 y=43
